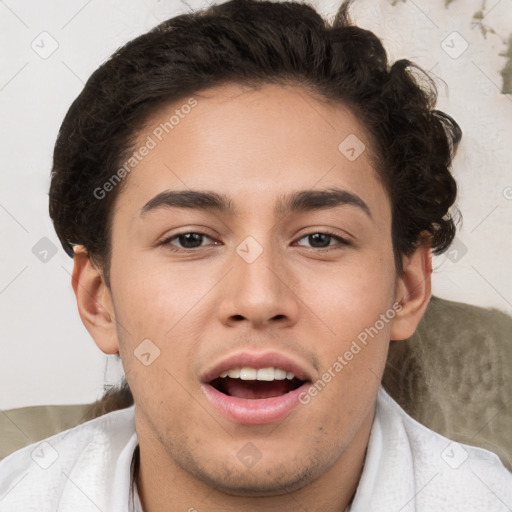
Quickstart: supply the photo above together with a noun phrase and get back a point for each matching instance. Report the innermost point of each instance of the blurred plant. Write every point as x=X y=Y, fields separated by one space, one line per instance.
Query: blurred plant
x=477 y=21
x=506 y=72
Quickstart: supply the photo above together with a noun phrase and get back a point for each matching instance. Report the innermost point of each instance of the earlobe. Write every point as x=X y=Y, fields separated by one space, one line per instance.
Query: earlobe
x=94 y=302
x=413 y=292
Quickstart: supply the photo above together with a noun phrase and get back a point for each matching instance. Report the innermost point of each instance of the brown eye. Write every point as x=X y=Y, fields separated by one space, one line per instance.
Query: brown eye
x=186 y=241
x=321 y=240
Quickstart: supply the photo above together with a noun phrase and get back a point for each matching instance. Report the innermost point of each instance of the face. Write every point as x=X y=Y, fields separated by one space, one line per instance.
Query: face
x=207 y=290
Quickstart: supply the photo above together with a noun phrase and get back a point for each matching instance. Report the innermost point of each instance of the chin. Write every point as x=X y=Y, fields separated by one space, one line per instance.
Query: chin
x=262 y=479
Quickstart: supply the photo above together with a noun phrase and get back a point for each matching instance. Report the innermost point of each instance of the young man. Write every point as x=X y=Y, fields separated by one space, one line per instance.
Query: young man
x=245 y=191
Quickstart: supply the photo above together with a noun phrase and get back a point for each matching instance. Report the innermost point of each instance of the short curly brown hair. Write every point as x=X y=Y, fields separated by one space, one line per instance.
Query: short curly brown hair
x=253 y=42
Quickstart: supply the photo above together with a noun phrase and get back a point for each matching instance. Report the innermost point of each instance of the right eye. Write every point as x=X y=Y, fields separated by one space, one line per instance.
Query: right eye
x=188 y=240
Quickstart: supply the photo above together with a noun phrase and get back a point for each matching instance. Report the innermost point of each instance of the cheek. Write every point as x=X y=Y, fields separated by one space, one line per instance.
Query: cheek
x=351 y=298
x=153 y=300
x=157 y=340
x=158 y=313
x=355 y=309
x=352 y=354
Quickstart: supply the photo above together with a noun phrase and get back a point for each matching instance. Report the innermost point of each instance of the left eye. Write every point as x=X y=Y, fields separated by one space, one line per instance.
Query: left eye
x=321 y=240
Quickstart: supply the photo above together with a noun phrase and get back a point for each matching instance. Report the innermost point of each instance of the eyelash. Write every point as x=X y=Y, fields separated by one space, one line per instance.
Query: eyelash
x=169 y=246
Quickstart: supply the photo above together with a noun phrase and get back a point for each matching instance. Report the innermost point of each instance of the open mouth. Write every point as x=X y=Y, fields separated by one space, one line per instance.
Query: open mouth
x=252 y=384
x=264 y=389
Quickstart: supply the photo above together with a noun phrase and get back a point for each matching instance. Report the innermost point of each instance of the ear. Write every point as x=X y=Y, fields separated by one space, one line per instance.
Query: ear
x=94 y=301
x=413 y=292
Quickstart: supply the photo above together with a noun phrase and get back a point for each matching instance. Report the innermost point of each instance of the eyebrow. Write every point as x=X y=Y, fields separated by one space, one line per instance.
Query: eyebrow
x=304 y=200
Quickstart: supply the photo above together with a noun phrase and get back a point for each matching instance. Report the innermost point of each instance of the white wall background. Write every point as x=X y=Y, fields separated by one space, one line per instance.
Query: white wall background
x=47 y=356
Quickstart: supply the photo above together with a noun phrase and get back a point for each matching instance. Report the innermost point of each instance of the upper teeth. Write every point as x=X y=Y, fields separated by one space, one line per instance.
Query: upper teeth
x=247 y=373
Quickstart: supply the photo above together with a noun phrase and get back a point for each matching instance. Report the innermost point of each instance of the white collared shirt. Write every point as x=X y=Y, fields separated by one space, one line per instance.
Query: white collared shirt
x=407 y=468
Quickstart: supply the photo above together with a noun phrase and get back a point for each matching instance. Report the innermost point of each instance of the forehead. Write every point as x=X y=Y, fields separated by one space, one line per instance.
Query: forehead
x=255 y=145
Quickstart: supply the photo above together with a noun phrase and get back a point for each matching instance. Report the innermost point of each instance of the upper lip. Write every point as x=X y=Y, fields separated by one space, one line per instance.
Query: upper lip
x=258 y=360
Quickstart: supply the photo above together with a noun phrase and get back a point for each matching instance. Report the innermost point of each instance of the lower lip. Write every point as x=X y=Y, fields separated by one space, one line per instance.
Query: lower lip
x=261 y=411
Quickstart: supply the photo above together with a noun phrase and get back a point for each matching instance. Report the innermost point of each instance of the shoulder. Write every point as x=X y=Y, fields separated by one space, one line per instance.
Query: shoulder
x=449 y=474
x=41 y=475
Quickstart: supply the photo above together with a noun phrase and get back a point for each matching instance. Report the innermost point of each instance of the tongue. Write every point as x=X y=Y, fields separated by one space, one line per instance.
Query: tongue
x=253 y=389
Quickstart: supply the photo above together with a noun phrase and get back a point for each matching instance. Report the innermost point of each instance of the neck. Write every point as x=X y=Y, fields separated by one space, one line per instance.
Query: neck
x=163 y=486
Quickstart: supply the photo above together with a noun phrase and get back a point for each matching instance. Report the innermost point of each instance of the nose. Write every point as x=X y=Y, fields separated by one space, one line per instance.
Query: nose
x=259 y=292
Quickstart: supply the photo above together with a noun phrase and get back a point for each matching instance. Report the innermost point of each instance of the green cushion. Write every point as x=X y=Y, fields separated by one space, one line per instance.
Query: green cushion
x=454 y=375
x=25 y=425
